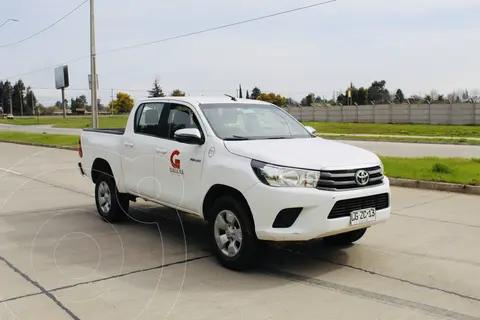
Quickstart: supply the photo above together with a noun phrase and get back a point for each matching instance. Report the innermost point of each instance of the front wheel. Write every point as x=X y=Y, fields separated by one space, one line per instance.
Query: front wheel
x=232 y=233
x=344 y=239
x=111 y=205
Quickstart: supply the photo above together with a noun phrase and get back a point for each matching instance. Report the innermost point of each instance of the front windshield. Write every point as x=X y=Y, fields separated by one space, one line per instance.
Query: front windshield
x=240 y=121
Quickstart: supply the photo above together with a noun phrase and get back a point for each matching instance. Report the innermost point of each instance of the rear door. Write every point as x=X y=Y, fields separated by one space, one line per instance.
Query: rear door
x=139 y=150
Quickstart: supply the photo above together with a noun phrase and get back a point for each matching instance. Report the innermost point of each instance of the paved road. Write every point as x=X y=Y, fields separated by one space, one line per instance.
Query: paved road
x=393 y=149
x=58 y=260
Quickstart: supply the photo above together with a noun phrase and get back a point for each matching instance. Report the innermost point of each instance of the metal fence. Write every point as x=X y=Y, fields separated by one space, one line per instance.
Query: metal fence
x=447 y=114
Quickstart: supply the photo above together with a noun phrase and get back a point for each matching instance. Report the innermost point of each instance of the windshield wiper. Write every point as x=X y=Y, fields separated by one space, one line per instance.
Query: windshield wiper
x=271 y=138
x=234 y=138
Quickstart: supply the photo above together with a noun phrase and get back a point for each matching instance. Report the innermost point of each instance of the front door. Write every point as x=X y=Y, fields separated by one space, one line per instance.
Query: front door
x=139 y=151
x=178 y=166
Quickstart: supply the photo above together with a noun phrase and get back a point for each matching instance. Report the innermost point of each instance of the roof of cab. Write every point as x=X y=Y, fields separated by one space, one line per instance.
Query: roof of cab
x=205 y=100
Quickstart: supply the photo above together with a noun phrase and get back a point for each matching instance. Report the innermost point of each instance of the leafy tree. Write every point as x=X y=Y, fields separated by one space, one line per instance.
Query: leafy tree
x=40 y=108
x=378 y=93
x=30 y=101
x=247 y=95
x=318 y=99
x=256 y=92
x=441 y=98
x=123 y=104
x=178 y=93
x=399 y=96
x=308 y=100
x=58 y=104
x=276 y=99
x=18 y=98
x=428 y=98
x=156 y=90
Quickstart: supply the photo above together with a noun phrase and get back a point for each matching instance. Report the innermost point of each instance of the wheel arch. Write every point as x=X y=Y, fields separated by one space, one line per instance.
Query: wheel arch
x=220 y=190
x=100 y=166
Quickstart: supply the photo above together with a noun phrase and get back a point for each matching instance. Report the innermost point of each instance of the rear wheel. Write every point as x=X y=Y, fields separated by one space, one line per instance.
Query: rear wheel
x=345 y=238
x=111 y=205
x=232 y=234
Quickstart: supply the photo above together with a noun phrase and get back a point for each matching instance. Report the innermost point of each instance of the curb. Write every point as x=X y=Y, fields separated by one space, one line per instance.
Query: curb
x=33 y=144
x=437 y=186
x=400 y=141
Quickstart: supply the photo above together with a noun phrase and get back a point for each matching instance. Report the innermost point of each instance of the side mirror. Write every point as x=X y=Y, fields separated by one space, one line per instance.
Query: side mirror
x=313 y=131
x=190 y=136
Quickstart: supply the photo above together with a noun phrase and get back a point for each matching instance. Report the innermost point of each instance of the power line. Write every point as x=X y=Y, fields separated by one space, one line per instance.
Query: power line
x=186 y=35
x=45 y=29
x=219 y=27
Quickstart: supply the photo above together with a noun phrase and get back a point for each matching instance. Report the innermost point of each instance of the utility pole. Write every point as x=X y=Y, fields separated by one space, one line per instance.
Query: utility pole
x=10 y=99
x=63 y=104
x=93 y=66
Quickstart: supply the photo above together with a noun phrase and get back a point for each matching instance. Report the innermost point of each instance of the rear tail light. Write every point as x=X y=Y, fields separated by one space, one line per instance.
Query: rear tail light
x=80 y=151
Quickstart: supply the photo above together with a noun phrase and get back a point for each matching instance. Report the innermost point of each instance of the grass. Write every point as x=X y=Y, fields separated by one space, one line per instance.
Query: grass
x=453 y=170
x=396 y=129
x=71 y=122
x=406 y=139
x=47 y=139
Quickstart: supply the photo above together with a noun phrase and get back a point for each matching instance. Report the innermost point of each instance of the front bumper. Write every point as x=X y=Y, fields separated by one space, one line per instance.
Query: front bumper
x=266 y=202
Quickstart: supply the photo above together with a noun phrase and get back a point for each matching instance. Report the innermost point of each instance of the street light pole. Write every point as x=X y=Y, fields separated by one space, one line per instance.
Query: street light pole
x=6 y=21
x=93 y=66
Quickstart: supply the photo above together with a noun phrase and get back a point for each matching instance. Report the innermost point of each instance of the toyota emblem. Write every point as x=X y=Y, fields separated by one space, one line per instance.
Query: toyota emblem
x=362 y=177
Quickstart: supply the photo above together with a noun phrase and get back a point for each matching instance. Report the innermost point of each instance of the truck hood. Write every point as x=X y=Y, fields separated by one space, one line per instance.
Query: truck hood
x=309 y=153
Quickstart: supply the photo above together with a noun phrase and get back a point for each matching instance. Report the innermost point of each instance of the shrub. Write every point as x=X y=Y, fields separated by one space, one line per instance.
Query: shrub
x=441 y=168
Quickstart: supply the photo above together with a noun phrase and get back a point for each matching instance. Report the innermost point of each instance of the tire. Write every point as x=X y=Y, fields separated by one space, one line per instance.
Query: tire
x=344 y=239
x=118 y=203
x=241 y=233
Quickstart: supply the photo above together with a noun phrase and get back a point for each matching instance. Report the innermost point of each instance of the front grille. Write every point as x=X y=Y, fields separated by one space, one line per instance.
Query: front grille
x=345 y=179
x=343 y=208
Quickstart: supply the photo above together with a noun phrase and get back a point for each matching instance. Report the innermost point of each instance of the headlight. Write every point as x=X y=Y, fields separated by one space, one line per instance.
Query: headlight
x=276 y=176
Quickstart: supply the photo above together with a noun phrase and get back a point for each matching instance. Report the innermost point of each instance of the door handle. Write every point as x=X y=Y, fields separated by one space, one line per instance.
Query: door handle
x=161 y=151
x=128 y=144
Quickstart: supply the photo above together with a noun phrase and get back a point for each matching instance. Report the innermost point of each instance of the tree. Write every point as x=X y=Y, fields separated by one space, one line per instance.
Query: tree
x=247 y=95
x=276 y=99
x=399 y=96
x=240 y=94
x=156 y=90
x=58 y=104
x=178 y=93
x=308 y=100
x=18 y=98
x=378 y=93
x=78 y=103
x=30 y=102
x=40 y=109
x=441 y=98
x=256 y=92
x=123 y=104
x=5 y=91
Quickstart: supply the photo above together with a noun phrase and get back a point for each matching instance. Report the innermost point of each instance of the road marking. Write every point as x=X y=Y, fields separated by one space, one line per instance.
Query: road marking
x=10 y=171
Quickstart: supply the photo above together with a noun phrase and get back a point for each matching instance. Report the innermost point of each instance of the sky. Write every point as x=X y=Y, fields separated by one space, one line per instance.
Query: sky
x=415 y=45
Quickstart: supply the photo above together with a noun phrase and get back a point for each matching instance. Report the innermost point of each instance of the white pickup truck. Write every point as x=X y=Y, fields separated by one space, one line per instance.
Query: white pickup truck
x=247 y=167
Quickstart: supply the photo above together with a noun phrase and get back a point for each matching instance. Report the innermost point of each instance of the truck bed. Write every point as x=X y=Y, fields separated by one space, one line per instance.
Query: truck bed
x=117 y=131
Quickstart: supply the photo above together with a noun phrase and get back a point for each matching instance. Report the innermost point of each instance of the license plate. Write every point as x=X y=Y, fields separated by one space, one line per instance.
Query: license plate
x=363 y=216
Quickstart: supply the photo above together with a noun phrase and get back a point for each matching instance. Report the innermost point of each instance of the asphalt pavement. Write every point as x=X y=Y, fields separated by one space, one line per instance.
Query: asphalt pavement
x=59 y=260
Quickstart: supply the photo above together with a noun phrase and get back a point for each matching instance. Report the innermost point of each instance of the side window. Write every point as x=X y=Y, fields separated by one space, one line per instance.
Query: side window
x=147 y=119
x=181 y=117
